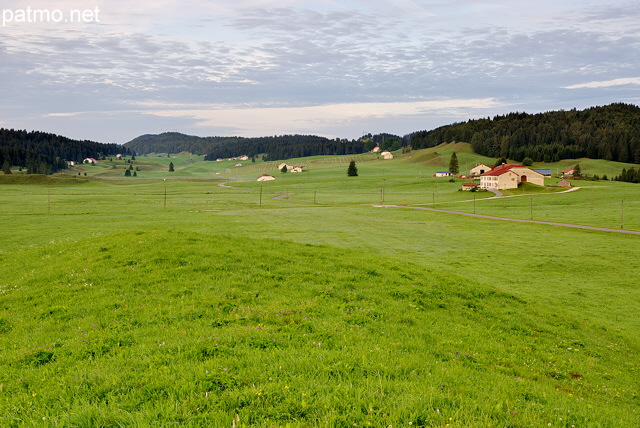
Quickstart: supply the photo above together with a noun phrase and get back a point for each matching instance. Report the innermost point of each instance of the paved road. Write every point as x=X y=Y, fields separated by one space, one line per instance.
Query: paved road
x=550 y=223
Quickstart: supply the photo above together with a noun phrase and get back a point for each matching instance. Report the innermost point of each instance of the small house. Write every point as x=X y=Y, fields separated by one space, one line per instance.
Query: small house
x=479 y=169
x=238 y=164
x=469 y=186
x=243 y=158
x=266 y=177
x=283 y=164
x=564 y=183
x=119 y=156
x=376 y=149
x=442 y=174
x=568 y=171
x=296 y=169
x=386 y=154
x=90 y=160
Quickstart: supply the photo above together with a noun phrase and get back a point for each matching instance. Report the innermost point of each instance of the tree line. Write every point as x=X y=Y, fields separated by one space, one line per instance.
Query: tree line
x=45 y=153
x=610 y=132
x=271 y=148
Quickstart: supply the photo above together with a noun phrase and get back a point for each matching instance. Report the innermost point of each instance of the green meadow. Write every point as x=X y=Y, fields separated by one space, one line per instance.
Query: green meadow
x=202 y=297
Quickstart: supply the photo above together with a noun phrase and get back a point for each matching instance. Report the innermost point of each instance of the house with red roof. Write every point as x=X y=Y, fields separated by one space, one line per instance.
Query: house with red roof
x=509 y=176
x=568 y=171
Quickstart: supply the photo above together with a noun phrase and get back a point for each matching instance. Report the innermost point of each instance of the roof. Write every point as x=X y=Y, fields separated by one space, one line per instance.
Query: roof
x=570 y=169
x=470 y=184
x=543 y=171
x=502 y=169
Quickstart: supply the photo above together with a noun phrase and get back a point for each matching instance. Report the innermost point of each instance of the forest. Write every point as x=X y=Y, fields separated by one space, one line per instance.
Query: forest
x=45 y=153
x=610 y=132
x=271 y=148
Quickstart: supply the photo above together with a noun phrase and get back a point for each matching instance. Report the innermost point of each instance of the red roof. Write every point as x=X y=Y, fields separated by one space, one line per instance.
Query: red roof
x=502 y=169
x=568 y=170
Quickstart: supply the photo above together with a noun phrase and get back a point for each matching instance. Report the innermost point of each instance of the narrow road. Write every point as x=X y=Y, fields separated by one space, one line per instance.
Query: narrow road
x=549 y=223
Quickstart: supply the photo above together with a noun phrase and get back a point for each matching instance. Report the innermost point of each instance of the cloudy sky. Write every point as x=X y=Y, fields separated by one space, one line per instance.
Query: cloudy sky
x=327 y=67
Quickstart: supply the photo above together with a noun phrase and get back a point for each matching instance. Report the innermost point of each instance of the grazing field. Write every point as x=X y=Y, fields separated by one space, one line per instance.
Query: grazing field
x=136 y=301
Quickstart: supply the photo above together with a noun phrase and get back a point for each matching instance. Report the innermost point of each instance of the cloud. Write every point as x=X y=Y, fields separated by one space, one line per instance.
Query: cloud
x=321 y=119
x=606 y=83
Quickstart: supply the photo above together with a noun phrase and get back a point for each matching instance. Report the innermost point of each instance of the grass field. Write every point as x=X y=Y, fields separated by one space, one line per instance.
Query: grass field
x=141 y=302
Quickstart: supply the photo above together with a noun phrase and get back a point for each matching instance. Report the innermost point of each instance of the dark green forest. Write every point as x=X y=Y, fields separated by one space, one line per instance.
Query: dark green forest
x=44 y=153
x=611 y=132
x=271 y=148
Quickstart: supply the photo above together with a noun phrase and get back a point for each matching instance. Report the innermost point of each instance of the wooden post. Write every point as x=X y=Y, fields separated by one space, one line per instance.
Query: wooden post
x=622 y=215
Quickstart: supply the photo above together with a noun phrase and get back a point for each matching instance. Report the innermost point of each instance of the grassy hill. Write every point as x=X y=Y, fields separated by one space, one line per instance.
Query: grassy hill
x=137 y=301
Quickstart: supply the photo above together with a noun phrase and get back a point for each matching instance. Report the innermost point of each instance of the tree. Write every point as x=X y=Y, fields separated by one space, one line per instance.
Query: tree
x=576 y=171
x=127 y=173
x=6 y=167
x=352 y=171
x=527 y=162
x=135 y=174
x=453 y=164
x=171 y=167
x=284 y=169
x=500 y=161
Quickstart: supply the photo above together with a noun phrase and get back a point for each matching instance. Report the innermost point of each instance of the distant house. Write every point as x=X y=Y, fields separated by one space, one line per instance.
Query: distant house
x=568 y=171
x=238 y=164
x=480 y=169
x=283 y=164
x=564 y=183
x=296 y=169
x=90 y=160
x=72 y=163
x=442 y=174
x=469 y=186
x=545 y=172
x=509 y=176
x=266 y=177
x=243 y=158
x=376 y=149
x=219 y=160
x=386 y=155
x=119 y=156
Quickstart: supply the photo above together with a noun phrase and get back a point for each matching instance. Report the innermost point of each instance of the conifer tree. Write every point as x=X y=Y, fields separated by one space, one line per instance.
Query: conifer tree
x=6 y=167
x=352 y=171
x=171 y=167
x=453 y=164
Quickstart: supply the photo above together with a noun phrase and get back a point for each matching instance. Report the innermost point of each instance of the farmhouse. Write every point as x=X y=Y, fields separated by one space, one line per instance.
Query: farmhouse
x=90 y=160
x=564 y=183
x=266 y=177
x=386 y=155
x=509 y=176
x=244 y=158
x=376 y=149
x=283 y=164
x=297 y=169
x=442 y=174
x=479 y=169
x=568 y=171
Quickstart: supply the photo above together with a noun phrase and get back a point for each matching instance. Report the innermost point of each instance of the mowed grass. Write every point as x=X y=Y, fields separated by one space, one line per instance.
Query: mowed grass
x=138 y=328
x=122 y=307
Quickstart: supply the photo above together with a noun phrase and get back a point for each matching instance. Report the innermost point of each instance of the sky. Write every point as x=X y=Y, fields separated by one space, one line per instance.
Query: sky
x=111 y=70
